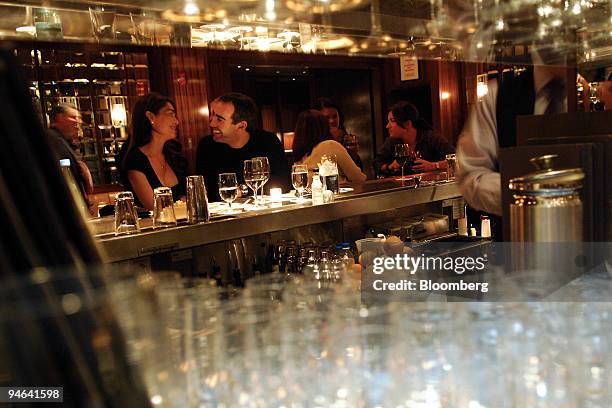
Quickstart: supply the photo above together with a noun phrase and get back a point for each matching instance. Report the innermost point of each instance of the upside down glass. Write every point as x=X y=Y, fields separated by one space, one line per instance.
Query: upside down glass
x=163 y=208
x=126 y=217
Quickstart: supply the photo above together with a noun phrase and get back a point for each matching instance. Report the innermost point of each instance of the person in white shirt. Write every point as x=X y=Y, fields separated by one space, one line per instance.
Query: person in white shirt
x=312 y=140
x=492 y=124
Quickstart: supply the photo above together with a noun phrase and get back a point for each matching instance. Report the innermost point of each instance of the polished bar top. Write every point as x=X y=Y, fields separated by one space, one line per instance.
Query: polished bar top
x=371 y=197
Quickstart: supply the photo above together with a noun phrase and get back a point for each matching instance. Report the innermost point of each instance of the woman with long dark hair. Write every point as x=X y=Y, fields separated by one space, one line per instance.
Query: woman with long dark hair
x=312 y=140
x=154 y=158
x=337 y=130
x=405 y=126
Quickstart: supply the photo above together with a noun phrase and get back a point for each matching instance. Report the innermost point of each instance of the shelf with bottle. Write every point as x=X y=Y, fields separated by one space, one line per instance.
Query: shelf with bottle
x=101 y=85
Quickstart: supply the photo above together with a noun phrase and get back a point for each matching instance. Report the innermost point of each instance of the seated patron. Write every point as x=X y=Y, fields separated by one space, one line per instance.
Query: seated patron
x=312 y=140
x=235 y=138
x=64 y=123
x=406 y=127
x=336 y=128
x=153 y=158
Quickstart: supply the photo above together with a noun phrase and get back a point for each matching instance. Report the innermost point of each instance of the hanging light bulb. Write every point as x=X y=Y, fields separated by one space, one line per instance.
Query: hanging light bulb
x=191 y=9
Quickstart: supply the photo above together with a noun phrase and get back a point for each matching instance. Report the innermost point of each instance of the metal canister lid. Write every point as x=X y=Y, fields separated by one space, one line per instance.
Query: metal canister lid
x=547 y=180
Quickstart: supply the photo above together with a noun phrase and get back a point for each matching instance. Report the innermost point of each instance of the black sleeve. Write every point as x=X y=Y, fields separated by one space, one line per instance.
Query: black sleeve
x=206 y=168
x=357 y=160
x=440 y=146
x=280 y=175
x=384 y=156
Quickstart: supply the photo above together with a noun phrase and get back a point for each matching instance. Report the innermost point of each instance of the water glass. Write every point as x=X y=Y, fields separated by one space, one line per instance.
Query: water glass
x=197 y=200
x=253 y=173
x=163 y=208
x=299 y=178
x=228 y=188
x=126 y=217
x=264 y=165
x=451 y=169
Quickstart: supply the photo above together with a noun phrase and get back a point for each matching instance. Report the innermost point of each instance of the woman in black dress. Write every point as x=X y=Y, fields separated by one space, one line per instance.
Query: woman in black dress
x=154 y=157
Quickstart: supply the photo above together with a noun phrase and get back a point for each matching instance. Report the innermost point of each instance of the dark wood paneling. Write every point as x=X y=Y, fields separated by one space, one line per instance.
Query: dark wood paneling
x=448 y=115
x=351 y=90
x=451 y=100
x=183 y=74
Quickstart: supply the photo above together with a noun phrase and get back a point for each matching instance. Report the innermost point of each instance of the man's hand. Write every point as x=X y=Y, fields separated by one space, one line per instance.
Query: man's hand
x=421 y=166
x=394 y=166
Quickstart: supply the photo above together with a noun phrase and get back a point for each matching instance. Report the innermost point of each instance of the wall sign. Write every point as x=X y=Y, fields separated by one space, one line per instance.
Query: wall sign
x=409 y=68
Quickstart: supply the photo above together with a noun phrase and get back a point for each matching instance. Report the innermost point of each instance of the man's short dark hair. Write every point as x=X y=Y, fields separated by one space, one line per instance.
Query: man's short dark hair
x=60 y=108
x=244 y=109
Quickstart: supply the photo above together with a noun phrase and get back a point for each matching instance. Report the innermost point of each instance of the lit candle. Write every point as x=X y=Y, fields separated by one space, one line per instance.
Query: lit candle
x=276 y=194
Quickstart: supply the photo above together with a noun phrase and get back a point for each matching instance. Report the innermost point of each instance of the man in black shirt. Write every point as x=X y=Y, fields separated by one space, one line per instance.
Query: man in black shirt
x=235 y=139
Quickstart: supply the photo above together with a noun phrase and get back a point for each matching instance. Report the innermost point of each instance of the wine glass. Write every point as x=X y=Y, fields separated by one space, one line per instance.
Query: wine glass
x=402 y=152
x=228 y=188
x=264 y=164
x=299 y=178
x=252 y=176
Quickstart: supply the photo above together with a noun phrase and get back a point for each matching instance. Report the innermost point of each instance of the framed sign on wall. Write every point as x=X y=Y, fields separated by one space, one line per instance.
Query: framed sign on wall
x=409 y=68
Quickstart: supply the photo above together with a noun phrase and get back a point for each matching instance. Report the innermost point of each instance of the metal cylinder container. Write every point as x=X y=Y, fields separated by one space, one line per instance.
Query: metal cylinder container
x=546 y=204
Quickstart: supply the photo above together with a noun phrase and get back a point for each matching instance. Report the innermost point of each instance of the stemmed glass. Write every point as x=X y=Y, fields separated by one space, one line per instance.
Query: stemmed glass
x=228 y=188
x=402 y=153
x=299 y=178
x=264 y=164
x=253 y=176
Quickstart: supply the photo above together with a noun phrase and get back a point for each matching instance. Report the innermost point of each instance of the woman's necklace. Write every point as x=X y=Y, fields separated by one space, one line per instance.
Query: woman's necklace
x=163 y=164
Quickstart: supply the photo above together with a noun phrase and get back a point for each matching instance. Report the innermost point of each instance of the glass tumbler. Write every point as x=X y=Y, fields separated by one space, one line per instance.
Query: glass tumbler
x=451 y=167
x=163 y=208
x=126 y=218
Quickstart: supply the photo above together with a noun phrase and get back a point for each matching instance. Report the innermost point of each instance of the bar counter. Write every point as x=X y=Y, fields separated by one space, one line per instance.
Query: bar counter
x=372 y=197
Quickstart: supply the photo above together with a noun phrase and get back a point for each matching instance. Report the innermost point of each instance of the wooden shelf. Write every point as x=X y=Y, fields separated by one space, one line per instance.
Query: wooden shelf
x=81 y=74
